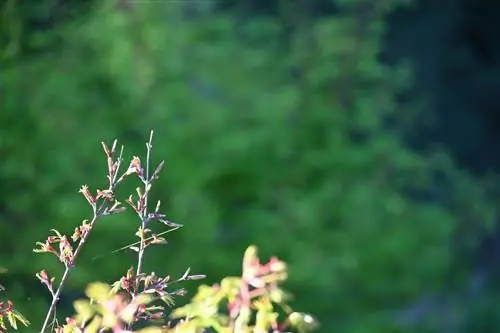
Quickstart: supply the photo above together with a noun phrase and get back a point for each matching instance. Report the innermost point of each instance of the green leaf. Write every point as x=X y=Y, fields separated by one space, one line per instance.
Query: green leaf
x=98 y=291
x=84 y=309
x=12 y=320
x=21 y=318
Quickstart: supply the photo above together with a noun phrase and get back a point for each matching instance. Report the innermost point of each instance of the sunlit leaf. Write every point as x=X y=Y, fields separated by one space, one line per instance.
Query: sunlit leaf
x=84 y=309
x=98 y=291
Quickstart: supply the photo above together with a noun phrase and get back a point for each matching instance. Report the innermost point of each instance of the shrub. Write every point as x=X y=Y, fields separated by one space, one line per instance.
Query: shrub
x=132 y=303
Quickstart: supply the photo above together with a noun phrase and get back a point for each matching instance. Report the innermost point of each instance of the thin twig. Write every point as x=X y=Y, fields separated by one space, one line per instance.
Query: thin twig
x=144 y=213
x=138 y=242
x=98 y=212
x=55 y=297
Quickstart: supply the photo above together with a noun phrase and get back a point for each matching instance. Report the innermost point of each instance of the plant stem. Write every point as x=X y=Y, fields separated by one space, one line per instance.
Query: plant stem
x=69 y=266
x=140 y=256
x=144 y=213
x=55 y=298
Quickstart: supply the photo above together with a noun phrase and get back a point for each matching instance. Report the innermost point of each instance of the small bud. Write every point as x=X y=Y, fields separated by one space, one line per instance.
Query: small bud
x=157 y=171
x=76 y=234
x=135 y=167
x=65 y=250
x=113 y=148
x=106 y=149
x=42 y=276
x=275 y=265
x=132 y=204
x=105 y=194
x=86 y=193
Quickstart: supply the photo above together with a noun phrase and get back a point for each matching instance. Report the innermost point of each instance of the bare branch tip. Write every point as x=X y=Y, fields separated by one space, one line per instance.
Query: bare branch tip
x=121 y=152
x=106 y=149
x=113 y=148
x=149 y=144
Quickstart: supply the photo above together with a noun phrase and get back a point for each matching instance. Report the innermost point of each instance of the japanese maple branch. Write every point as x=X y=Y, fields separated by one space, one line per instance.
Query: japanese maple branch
x=66 y=255
x=144 y=213
x=64 y=278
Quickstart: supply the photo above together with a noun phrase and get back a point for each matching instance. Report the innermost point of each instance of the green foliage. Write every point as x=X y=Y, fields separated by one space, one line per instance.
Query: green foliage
x=8 y=314
x=104 y=309
x=12 y=317
x=271 y=137
x=253 y=295
x=128 y=302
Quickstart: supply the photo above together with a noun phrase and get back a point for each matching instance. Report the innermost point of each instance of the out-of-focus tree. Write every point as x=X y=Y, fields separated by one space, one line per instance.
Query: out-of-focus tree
x=283 y=132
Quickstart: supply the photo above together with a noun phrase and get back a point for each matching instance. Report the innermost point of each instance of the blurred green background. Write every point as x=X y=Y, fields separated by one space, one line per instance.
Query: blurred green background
x=285 y=124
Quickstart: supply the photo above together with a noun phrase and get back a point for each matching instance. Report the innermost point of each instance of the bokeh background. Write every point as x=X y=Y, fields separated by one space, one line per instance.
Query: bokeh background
x=354 y=139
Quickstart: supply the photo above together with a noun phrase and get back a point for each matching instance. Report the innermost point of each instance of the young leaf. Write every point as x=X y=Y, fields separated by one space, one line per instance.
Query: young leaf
x=98 y=291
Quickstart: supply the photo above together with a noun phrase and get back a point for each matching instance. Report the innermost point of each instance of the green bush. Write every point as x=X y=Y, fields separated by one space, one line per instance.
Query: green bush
x=265 y=130
x=130 y=301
